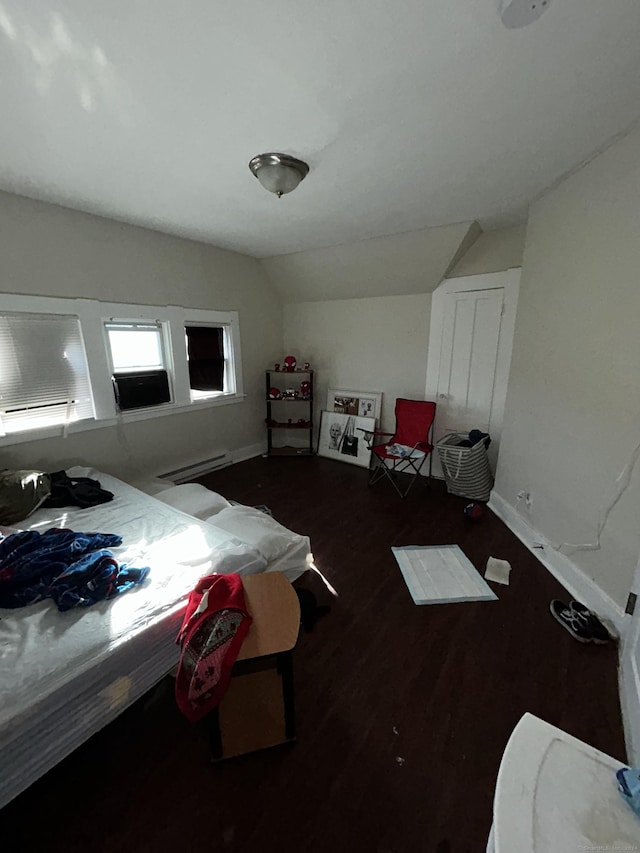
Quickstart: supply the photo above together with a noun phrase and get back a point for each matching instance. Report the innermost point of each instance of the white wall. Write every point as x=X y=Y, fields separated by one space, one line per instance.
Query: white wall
x=380 y=343
x=413 y=262
x=377 y=344
x=493 y=251
x=53 y=251
x=572 y=416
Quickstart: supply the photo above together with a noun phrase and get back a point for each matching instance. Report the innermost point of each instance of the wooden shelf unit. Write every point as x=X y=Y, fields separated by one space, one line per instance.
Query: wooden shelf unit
x=301 y=409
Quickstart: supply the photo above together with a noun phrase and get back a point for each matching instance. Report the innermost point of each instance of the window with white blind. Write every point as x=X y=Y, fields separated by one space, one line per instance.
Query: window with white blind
x=44 y=378
x=74 y=364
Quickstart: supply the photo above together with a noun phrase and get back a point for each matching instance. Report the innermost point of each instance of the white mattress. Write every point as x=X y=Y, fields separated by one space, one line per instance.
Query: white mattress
x=65 y=675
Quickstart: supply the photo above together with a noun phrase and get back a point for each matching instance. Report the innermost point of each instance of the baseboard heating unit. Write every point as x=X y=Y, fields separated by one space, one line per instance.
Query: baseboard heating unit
x=198 y=469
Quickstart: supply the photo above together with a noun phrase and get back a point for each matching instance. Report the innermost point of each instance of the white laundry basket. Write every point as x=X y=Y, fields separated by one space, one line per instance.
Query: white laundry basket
x=466 y=469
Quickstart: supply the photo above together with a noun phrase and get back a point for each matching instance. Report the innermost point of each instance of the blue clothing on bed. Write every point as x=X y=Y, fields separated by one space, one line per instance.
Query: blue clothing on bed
x=92 y=578
x=72 y=568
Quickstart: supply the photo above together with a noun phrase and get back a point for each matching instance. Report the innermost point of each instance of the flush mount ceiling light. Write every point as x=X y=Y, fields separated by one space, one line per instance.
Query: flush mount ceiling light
x=519 y=13
x=278 y=173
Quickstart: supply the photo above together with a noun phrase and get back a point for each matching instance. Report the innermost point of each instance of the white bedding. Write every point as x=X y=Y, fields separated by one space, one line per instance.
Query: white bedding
x=91 y=663
x=194 y=499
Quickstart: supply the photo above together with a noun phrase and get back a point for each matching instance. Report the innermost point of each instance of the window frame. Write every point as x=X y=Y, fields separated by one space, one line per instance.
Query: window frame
x=149 y=324
x=93 y=315
x=229 y=377
x=164 y=333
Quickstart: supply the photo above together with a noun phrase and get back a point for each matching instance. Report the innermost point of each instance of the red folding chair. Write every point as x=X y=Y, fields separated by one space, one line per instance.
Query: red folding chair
x=409 y=446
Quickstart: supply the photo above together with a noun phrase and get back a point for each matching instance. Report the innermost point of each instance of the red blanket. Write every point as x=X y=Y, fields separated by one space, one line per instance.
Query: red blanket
x=213 y=630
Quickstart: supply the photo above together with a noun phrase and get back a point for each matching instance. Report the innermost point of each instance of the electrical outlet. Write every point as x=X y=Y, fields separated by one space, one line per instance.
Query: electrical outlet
x=524 y=495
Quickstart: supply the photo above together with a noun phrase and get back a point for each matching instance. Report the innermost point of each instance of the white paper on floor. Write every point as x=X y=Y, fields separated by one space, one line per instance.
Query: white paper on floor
x=497 y=571
x=436 y=574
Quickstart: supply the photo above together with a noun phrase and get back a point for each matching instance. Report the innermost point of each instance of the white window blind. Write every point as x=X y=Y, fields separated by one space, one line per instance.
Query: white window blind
x=44 y=378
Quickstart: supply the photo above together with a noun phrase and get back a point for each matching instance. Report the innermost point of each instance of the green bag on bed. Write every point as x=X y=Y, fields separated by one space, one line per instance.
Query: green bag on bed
x=21 y=493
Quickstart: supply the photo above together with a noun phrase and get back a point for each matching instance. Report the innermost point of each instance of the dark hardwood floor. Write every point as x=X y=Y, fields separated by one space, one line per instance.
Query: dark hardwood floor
x=403 y=712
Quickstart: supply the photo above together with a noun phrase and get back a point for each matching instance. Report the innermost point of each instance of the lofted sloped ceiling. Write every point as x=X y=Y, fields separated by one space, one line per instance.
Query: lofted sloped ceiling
x=401 y=264
x=412 y=114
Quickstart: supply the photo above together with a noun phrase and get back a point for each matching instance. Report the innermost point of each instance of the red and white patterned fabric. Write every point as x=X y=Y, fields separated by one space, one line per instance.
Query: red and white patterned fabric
x=213 y=630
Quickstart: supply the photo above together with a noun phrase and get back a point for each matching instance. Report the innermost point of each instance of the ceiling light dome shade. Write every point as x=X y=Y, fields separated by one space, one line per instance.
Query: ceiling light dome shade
x=519 y=13
x=278 y=173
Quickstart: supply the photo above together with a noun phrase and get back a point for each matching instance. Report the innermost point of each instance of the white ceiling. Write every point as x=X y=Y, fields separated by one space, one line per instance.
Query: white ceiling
x=411 y=113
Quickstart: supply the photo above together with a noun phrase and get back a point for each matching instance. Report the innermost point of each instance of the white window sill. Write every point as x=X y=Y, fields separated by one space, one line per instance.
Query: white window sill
x=148 y=413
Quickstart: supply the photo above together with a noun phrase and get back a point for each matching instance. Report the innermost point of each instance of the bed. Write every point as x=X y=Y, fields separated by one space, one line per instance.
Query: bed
x=63 y=676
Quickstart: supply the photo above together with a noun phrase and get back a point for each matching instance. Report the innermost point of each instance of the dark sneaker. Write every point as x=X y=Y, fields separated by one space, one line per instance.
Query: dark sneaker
x=576 y=623
x=599 y=633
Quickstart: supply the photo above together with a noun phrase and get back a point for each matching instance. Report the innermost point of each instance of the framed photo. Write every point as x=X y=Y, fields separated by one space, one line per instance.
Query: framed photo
x=364 y=404
x=342 y=438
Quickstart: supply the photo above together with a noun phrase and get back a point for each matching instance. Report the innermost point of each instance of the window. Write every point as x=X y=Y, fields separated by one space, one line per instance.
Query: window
x=44 y=378
x=206 y=361
x=135 y=346
x=73 y=364
x=137 y=357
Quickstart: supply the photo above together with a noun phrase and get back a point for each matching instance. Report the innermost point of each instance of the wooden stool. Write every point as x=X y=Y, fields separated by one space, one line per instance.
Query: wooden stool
x=258 y=708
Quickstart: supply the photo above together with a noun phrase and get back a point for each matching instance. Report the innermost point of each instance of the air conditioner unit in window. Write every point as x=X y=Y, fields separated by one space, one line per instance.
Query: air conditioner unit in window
x=145 y=388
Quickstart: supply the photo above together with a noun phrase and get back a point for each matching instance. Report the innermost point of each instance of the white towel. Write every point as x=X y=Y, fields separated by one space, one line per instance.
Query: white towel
x=497 y=571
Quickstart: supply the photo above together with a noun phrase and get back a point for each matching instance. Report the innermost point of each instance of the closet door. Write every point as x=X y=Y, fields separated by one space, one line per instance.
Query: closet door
x=472 y=322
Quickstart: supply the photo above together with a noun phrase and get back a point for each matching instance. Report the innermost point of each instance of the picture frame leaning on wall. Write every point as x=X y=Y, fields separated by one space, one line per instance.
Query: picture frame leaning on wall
x=342 y=438
x=363 y=404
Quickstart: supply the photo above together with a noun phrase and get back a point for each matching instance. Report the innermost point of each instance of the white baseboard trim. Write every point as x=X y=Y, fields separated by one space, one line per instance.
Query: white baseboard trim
x=248 y=452
x=573 y=579
x=586 y=590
